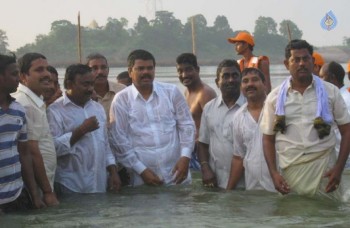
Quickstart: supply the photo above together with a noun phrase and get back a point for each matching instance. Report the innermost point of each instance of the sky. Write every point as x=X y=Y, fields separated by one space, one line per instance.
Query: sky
x=23 y=20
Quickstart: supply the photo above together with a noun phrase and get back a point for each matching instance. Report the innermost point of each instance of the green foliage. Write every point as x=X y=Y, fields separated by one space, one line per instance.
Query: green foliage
x=165 y=36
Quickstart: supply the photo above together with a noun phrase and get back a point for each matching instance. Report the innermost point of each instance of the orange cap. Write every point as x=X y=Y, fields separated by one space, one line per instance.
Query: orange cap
x=242 y=36
x=318 y=58
x=349 y=66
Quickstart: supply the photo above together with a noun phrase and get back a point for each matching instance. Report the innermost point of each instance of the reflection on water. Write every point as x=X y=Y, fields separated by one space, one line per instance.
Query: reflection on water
x=185 y=206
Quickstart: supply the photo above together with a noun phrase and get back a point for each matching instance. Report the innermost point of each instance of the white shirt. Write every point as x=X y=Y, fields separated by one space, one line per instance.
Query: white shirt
x=248 y=145
x=81 y=167
x=346 y=96
x=215 y=131
x=151 y=133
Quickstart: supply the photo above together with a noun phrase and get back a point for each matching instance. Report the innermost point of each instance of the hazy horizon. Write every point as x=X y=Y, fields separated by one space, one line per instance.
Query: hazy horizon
x=24 y=20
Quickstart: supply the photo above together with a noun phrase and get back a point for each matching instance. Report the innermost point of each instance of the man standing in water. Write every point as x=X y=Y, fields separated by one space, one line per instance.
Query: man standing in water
x=151 y=128
x=215 y=142
x=244 y=46
x=79 y=128
x=15 y=160
x=105 y=89
x=248 y=154
x=197 y=93
x=299 y=118
x=34 y=78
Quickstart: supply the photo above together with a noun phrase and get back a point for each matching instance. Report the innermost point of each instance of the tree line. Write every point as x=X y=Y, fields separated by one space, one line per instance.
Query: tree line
x=165 y=36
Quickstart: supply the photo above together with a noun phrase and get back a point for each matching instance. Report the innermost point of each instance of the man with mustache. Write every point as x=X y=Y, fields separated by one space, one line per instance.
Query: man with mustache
x=197 y=93
x=79 y=127
x=105 y=89
x=35 y=78
x=54 y=91
x=299 y=118
x=215 y=142
x=248 y=154
x=151 y=128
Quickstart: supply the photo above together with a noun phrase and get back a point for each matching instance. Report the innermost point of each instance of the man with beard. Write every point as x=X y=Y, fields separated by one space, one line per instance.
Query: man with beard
x=151 y=128
x=197 y=93
x=105 y=89
x=299 y=118
x=244 y=46
x=248 y=154
x=215 y=142
x=79 y=128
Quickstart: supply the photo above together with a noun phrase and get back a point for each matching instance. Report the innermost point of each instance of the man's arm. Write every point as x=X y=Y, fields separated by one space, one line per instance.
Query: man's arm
x=270 y=157
x=236 y=172
x=264 y=66
x=28 y=174
x=208 y=176
x=334 y=175
x=40 y=173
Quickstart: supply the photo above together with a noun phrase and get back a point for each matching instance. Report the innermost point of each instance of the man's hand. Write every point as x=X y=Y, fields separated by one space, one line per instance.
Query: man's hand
x=38 y=203
x=334 y=176
x=114 y=183
x=90 y=124
x=150 y=178
x=181 y=170
x=50 y=199
x=280 y=184
x=208 y=176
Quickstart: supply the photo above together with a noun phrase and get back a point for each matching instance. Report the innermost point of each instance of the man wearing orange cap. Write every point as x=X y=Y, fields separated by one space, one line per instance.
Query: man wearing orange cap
x=244 y=46
x=318 y=63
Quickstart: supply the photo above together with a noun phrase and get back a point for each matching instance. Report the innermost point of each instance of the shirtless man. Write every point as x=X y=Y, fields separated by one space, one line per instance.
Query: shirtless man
x=197 y=93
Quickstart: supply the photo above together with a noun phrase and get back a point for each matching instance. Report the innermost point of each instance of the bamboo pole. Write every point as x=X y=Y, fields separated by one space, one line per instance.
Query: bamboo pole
x=79 y=38
x=193 y=36
x=289 y=33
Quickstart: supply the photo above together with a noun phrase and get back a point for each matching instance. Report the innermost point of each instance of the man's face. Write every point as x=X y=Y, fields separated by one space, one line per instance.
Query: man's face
x=229 y=81
x=188 y=74
x=54 y=91
x=10 y=78
x=38 y=77
x=252 y=86
x=300 y=65
x=142 y=73
x=100 y=70
x=240 y=47
x=81 y=89
x=326 y=75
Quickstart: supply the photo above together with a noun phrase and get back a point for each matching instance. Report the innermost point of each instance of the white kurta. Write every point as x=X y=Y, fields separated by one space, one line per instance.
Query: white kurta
x=81 y=167
x=151 y=133
x=215 y=131
x=248 y=145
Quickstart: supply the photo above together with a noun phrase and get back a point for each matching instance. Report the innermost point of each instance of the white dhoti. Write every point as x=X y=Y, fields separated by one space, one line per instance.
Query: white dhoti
x=305 y=176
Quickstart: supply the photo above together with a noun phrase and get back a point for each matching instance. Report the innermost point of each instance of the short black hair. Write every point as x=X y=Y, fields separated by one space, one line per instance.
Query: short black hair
x=140 y=54
x=187 y=58
x=337 y=70
x=73 y=70
x=25 y=62
x=227 y=63
x=297 y=44
x=6 y=60
x=95 y=56
x=52 y=70
x=252 y=70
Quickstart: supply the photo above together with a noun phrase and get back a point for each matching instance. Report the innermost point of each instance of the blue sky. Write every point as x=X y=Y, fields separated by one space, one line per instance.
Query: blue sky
x=24 y=20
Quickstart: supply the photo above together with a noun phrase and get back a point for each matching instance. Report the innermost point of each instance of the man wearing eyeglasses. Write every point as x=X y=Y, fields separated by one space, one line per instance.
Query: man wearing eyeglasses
x=215 y=142
x=151 y=128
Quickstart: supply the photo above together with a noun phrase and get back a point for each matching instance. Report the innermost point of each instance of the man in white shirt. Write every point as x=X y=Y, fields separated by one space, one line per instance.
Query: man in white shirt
x=215 y=142
x=34 y=78
x=299 y=118
x=151 y=128
x=248 y=154
x=79 y=128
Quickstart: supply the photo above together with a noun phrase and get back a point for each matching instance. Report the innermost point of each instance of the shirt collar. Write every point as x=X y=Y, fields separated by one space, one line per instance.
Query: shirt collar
x=240 y=101
x=66 y=101
x=37 y=100
x=136 y=93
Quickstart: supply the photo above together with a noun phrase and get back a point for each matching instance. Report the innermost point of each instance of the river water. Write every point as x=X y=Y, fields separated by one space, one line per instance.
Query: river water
x=186 y=206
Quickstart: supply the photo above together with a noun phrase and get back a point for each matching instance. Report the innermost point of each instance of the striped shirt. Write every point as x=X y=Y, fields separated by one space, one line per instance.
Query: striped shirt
x=13 y=129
